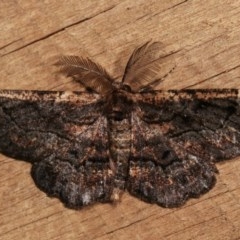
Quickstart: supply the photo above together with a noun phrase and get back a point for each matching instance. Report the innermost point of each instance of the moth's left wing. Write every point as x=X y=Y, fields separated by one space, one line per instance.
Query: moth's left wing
x=36 y=124
x=177 y=138
x=64 y=136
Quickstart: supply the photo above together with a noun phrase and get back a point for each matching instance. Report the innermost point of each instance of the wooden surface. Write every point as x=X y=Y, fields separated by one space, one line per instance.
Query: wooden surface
x=205 y=35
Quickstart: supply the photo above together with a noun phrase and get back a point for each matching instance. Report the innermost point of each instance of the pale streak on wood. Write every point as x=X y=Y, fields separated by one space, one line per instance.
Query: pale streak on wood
x=67 y=96
x=187 y=94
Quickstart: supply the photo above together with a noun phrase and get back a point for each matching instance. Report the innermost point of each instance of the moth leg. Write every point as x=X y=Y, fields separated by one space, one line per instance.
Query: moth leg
x=172 y=185
x=74 y=185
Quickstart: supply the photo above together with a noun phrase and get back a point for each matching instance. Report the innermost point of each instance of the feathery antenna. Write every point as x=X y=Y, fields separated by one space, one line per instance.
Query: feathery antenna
x=90 y=74
x=144 y=65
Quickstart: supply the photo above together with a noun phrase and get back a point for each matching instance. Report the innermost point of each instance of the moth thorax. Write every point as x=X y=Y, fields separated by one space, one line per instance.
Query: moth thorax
x=121 y=106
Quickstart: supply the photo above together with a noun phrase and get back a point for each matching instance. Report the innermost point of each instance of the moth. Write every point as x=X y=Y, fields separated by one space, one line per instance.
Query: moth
x=91 y=146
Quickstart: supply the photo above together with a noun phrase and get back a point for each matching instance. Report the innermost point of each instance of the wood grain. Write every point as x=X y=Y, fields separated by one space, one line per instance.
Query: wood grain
x=205 y=38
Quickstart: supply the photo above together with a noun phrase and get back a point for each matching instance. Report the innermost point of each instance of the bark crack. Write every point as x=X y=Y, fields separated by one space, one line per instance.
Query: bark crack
x=211 y=77
x=55 y=32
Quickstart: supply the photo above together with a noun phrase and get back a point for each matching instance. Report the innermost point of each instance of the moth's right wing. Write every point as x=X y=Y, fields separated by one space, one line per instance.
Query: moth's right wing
x=178 y=136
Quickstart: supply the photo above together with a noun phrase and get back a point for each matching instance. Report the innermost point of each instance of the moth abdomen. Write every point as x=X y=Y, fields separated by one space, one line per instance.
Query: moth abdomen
x=119 y=148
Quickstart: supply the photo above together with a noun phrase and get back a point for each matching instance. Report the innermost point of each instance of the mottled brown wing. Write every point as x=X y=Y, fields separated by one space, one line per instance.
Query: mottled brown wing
x=64 y=136
x=177 y=138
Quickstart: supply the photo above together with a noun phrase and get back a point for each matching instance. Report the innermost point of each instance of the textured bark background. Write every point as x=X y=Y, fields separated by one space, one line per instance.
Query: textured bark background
x=206 y=38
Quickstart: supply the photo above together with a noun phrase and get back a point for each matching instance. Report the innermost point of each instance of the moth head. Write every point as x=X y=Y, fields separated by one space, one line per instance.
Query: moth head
x=121 y=86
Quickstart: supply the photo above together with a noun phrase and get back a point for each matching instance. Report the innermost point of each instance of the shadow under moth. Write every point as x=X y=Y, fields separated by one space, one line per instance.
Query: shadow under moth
x=87 y=147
